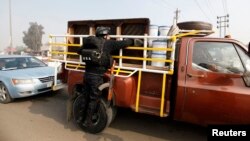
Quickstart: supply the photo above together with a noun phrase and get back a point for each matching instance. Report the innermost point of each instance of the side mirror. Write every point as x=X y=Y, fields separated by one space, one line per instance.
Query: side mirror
x=248 y=51
x=246 y=74
x=246 y=77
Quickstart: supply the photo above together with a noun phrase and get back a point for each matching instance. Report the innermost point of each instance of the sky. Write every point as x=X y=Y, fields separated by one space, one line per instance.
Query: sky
x=53 y=15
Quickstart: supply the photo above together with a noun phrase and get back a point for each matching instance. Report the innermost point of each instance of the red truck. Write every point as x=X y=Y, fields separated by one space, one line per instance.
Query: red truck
x=195 y=78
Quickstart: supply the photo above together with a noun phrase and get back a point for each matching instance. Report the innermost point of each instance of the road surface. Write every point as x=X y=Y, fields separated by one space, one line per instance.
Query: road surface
x=43 y=118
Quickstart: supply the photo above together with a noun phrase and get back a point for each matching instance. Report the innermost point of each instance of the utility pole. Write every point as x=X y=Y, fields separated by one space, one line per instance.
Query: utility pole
x=223 y=22
x=11 y=44
x=176 y=16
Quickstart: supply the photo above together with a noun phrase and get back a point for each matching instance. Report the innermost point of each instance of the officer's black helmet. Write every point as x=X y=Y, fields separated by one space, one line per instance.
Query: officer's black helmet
x=102 y=31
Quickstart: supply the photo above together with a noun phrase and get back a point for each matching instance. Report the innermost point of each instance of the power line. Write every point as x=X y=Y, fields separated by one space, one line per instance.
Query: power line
x=182 y=17
x=224 y=4
x=202 y=10
x=162 y=4
x=173 y=5
x=211 y=9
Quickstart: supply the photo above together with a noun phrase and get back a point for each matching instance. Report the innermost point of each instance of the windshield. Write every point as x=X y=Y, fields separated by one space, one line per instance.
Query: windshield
x=20 y=63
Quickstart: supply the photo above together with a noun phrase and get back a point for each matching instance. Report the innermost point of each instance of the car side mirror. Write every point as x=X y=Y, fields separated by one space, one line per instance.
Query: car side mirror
x=248 y=51
x=246 y=74
x=246 y=77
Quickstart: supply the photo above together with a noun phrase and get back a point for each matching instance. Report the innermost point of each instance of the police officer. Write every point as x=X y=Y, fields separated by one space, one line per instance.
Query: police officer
x=93 y=77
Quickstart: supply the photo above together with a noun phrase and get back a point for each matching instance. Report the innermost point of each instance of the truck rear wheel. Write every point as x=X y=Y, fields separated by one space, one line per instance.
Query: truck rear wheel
x=194 y=25
x=101 y=119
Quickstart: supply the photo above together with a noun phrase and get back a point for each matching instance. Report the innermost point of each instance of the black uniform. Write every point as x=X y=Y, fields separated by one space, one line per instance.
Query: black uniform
x=93 y=77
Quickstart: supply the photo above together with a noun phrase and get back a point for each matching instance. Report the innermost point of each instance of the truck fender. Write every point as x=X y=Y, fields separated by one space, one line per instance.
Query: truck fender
x=104 y=86
x=111 y=109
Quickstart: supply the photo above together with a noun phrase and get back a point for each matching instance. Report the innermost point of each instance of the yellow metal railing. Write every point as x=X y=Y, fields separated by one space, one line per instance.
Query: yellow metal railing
x=163 y=95
x=122 y=71
x=64 y=44
x=76 y=66
x=68 y=53
x=138 y=92
x=152 y=49
x=143 y=59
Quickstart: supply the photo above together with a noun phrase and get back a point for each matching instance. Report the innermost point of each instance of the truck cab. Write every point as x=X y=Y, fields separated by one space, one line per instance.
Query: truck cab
x=213 y=82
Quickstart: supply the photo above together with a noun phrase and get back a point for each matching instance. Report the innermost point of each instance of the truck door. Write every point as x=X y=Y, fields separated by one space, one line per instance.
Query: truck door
x=216 y=91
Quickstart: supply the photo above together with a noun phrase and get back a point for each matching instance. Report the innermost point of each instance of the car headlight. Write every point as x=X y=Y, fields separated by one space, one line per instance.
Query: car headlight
x=22 y=81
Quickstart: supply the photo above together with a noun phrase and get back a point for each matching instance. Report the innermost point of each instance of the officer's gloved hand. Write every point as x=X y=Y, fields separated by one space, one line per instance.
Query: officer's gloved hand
x=130 y=42
x=138 y=42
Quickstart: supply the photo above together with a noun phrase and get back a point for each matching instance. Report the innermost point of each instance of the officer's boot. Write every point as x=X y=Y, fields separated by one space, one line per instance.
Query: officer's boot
x=90 y=112
x=82 y=106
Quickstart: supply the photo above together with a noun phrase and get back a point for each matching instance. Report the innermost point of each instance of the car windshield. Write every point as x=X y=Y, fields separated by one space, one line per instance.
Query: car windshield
x=14 y=63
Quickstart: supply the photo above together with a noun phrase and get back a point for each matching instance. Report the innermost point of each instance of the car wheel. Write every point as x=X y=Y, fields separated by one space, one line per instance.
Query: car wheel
x=100 y=118
x=194 y=25
x=4 y=94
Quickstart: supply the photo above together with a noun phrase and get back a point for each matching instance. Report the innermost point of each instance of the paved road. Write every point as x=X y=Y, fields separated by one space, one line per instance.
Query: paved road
x=43 y=118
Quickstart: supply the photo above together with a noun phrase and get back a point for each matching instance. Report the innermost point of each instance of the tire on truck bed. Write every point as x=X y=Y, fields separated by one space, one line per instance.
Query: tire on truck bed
x=194 y=25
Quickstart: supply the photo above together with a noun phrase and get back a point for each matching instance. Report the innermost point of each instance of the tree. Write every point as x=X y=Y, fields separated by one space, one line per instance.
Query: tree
x=33 y=37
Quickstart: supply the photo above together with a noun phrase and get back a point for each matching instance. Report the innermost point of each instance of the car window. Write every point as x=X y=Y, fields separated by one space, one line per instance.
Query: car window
x=10 y=63
x=216 y=57
x=2 y=64
x=20 y=63
x=34 y=62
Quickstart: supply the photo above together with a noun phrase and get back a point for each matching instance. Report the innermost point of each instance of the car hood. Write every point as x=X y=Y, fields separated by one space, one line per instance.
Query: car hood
x=30 y=72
